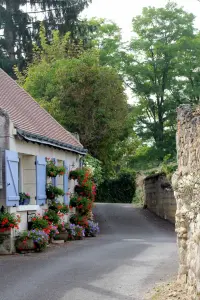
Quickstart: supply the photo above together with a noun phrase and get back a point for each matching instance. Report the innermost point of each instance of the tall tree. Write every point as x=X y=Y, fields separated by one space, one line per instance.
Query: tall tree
x=107 y=37
x=20 y=25
x=151 y=69
x=82 y=95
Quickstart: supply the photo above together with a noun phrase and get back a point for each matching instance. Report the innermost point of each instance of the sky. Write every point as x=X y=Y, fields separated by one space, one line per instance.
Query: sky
x=122 y=11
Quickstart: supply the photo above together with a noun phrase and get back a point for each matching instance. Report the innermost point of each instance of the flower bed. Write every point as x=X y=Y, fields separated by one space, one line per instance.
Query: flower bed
x=92 y=229
x=35 y=240
x=83 y=200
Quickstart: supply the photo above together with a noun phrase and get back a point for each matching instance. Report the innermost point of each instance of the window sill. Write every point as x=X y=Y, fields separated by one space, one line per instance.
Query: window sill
x=28 y=207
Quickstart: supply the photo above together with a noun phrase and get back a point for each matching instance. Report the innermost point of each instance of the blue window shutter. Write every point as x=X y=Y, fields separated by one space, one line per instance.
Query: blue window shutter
x=12 y=178
x=65 y=183
x=41 y=180
x=54 y=179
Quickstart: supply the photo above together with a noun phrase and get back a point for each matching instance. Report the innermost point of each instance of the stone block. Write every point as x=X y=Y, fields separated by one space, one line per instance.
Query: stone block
x=6 y=242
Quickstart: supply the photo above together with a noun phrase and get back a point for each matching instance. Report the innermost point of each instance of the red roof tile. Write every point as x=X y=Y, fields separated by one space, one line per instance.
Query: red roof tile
x=27 y=115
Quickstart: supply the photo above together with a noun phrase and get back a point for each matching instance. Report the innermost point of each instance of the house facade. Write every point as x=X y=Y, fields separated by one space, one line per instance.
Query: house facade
x=28 y=136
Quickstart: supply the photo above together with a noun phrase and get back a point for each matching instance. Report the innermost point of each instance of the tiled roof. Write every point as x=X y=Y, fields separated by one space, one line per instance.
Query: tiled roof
x=27 y=115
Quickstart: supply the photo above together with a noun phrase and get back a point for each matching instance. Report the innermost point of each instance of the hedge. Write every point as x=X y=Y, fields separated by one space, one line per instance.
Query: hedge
x=118 y=190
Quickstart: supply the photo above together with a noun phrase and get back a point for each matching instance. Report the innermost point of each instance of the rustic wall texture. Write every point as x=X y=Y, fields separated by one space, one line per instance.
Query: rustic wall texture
x=159 y=197
x=186 y=184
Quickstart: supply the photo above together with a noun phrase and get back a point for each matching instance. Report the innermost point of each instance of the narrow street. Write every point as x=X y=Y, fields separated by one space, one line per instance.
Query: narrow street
x=134 y=251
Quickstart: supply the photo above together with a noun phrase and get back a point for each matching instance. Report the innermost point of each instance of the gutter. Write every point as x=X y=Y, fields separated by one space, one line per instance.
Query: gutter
x=36 y=138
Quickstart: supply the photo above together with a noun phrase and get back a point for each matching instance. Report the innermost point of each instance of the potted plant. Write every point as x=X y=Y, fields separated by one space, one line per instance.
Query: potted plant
x=24 y=198
x=53 y=232
x=70 y=228
x=79 y=232
x=36 y=240
x=57 y=206
x=8 y=221
x=51 y=216
x=53 y=192
x=39 y=223
x=60 y=170
x=53 y=170
x=92 y=229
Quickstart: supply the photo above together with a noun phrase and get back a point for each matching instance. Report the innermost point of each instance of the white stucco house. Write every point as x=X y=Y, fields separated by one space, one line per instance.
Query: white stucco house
x=28 y=135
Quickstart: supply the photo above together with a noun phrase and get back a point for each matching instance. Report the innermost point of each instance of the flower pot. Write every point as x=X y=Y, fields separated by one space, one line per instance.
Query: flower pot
x=26 y=201
x=62 y=236
x=51 y=175
x=6 y=245
x=27 y=245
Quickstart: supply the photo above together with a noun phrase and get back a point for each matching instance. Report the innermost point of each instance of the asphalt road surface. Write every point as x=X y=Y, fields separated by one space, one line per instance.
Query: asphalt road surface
x=134 y=251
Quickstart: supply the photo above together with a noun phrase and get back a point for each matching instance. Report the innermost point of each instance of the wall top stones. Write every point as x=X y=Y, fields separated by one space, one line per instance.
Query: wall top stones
x=188 y=139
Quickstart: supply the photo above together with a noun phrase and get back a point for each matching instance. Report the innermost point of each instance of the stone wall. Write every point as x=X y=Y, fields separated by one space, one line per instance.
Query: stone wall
x=186 y=184
x=159 y=197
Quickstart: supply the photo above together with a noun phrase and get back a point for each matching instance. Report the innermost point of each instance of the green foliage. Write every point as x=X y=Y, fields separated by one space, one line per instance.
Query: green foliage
x=85 y=191
x=9 y=220
x=168 y=167
x=79 y=220
x=152 y=67
x=80 y=94
x=95 y=166
x=51 y=216
x=106 y=36
x=53 y=192
x=59 y=207
x=39 y=238
x=20 y=27
x=39 y=223
x=118 y=190
x=53 y=170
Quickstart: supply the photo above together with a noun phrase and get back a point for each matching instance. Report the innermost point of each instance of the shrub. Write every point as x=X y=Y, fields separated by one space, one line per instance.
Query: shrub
x=118 y=190
x=95 y=166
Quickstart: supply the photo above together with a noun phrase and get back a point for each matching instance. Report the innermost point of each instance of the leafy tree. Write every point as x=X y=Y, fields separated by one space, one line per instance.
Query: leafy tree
x=21 y=27
x=107 y=38
x=82 y=95
x=151 y=69
x=188 y=61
